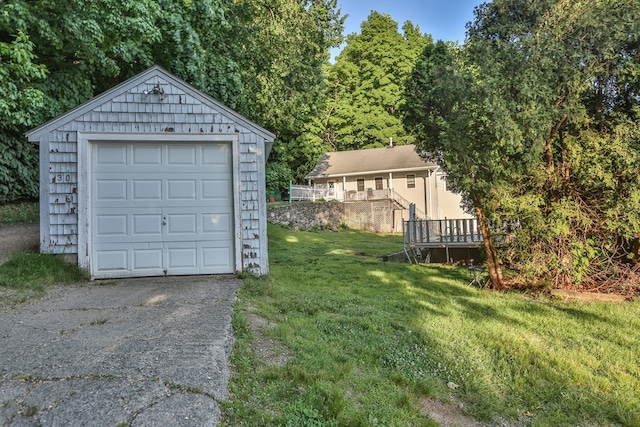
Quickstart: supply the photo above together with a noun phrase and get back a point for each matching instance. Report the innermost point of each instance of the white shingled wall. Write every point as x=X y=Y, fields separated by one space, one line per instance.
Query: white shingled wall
x=131 y=110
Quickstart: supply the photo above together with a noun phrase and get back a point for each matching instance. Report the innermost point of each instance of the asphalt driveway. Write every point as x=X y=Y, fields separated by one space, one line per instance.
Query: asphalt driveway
x=134 y=352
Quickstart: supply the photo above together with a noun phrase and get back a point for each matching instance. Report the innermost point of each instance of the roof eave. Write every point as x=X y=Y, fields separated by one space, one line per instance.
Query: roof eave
x=34 y=134
x=373 y=172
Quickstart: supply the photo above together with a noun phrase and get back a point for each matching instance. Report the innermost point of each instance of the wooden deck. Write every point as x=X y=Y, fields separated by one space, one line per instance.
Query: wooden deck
x=440 y=233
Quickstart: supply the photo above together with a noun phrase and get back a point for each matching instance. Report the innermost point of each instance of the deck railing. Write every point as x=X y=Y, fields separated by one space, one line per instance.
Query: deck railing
x=451 y=233
x=442 y=232
x=305 y=192
x=439 y=233
x=312 y=193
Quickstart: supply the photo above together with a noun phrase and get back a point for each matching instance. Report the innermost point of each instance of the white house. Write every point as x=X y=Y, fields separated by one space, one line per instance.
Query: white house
x=396 y=172
x=153 y=177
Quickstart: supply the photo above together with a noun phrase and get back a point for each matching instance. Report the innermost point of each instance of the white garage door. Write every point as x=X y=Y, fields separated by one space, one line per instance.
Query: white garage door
x=159 y=208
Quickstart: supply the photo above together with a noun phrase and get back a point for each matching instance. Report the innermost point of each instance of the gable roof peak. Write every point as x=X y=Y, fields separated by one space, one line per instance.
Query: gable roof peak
x=149 y=75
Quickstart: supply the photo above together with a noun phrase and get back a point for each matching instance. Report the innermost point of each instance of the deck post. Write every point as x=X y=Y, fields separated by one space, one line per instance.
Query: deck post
x=412 y=221
x=465 y=229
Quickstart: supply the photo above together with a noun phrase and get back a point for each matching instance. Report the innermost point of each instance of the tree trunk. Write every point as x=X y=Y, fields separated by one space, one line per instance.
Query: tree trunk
x=493 y=264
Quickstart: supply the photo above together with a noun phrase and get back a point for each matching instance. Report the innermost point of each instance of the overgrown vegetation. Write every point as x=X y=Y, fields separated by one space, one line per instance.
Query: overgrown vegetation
x=28 y=275
x=535 y=120
x=366 y=341
x=263 y=64
x=23 y=212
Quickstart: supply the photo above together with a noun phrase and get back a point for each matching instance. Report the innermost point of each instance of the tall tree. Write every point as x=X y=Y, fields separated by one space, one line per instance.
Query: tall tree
x=449 y=109
x=62 y=53
x=366 y=84
x=20 y=106
x=282 y=46
x=196 y=43
x=263 y=59
x=559 y=87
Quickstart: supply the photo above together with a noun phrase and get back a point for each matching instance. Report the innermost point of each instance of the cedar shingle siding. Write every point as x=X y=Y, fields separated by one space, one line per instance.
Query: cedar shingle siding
x=132 y=109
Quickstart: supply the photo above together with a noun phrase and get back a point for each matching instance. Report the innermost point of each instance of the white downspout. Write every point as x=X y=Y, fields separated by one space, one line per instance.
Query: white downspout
x=435 y=181
x=427 y=193
x=344 y=188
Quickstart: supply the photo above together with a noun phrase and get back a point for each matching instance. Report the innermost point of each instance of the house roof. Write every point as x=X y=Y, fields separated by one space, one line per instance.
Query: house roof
x=398 y=158
x=155 y=71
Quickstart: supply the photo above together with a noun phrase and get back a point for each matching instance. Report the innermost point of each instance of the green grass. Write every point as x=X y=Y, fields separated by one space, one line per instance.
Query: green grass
x=29 y=275
x=19 y=212
x=368 y=340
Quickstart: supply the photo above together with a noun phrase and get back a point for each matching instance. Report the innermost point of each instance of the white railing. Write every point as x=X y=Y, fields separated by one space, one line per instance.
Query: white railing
x=450 y=232
x=305 y=192
x=406 y=204
x=312 y=193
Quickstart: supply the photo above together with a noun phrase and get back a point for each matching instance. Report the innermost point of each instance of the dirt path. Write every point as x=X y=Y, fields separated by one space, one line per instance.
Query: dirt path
x=18 y=238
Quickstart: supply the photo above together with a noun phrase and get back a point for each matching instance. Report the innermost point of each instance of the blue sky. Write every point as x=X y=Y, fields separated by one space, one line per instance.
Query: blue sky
x=443 y=19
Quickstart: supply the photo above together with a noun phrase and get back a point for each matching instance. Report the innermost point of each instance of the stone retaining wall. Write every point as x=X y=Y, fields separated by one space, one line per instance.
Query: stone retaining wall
x=375 y=215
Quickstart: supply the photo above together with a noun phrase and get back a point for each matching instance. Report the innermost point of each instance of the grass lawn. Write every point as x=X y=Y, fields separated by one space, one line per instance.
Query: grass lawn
x=26 y=276
x=357 y=342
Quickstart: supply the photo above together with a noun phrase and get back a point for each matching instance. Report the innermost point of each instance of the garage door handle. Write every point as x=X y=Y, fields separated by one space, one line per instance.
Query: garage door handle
x=164 y=221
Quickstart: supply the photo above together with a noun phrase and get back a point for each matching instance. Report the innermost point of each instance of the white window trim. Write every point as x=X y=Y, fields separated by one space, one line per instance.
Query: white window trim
x=375 y=182
x=407 y=180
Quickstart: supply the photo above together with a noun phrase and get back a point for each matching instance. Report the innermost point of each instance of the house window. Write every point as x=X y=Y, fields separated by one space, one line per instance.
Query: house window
x=360 y=182
x=378 y=181
x=411 y=181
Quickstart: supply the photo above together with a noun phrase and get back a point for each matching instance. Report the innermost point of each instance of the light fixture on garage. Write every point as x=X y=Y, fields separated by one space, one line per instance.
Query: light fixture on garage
x=156 y=90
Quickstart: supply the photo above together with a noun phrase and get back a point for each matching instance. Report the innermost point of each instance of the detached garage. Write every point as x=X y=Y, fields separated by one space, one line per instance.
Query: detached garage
x=153 y=178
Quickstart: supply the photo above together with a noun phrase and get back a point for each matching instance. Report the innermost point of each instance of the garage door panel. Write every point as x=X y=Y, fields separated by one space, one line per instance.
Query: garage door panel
x=181 y=224
x=162 y=209
x=111 y=154
x=216 y=223
x=111 y=225
x=181 y=189
x=146 y=189
x=216 y=259
x=182 y=258
x=146 y=155
x=212 y=189
x=145 y=225
x=111 y=260
x=111 y=189
x=147 y=259
x=181 y=155
x=217 y=156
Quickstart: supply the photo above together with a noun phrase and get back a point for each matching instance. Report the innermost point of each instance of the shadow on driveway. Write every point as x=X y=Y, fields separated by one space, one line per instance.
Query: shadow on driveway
x=135 y=352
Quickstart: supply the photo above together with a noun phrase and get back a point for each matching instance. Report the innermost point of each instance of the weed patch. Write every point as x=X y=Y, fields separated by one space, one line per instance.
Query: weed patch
x=19 y=212
x=30 y=274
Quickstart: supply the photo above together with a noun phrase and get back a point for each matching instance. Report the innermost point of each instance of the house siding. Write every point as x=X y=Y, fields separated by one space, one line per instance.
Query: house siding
x=134 y=112
x=429 y=195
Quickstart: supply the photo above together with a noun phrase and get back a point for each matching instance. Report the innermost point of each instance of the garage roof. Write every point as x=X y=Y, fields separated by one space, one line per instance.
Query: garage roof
x=155 y=71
